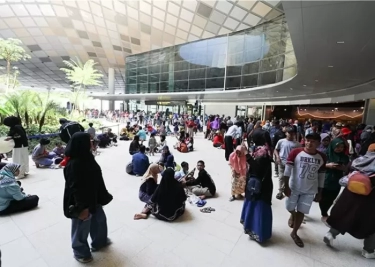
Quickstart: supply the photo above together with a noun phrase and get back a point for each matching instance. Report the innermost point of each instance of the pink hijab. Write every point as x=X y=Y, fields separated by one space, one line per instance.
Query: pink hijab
x=238 y=163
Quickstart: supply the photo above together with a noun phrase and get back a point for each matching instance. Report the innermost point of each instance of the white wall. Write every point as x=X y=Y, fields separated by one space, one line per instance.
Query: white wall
x=227 y=110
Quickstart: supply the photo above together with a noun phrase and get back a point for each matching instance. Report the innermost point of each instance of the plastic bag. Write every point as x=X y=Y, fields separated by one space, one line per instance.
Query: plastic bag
x=193 y=199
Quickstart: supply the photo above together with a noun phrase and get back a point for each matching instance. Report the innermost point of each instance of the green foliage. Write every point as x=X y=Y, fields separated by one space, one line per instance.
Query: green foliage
x=11 y=50
x=82 y=75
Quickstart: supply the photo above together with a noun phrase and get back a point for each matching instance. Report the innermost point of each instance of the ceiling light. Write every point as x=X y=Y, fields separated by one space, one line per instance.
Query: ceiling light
x=277 y=91
x=337 y=102
x=361 y=107
x=291 y=88
x=317 y=80
x=330 y=66
x=340 y=42
x=304 y=85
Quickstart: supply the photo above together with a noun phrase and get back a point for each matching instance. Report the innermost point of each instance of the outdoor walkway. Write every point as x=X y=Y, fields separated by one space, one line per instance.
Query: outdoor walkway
x=41 y=237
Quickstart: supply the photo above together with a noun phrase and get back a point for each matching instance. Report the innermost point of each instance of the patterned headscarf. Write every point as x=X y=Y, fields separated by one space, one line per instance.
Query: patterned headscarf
x=7 y=174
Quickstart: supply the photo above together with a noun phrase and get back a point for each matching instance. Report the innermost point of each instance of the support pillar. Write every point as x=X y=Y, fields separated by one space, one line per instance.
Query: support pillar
x=111 y=87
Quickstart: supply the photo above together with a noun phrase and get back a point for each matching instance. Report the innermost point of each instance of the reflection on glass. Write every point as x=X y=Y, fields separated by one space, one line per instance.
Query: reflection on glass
x=253 y=57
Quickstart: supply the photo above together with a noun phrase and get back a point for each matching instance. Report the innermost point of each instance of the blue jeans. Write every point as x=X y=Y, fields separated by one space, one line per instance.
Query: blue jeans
x=47 y=160
x=96 y=226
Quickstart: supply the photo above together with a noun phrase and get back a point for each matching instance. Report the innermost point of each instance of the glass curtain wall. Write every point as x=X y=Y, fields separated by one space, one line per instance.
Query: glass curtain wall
x=253 y=57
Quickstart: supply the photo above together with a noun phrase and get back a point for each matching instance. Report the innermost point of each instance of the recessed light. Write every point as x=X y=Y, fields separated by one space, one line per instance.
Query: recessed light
x=291 y=88
x=340 y=42
x=362 y=107
x=337 y=102
x=317 y=80
x=277 y=91
x=330 y=66
x=304 y=85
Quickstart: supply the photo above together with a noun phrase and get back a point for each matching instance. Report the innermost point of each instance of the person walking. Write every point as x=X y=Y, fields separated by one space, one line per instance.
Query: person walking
x=238 y=164
x=84 y=195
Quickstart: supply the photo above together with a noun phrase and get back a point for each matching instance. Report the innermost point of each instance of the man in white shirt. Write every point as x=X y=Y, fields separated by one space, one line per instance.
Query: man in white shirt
x=184 y=172
x=282 y=149
x=304 y=180
x=229 y=136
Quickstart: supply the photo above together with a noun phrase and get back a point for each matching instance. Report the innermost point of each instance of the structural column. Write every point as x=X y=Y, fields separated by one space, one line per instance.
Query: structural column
x=111 y=87
x=369 y=112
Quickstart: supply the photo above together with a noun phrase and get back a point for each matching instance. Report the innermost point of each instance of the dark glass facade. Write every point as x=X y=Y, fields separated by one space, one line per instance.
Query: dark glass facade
x=253 y=57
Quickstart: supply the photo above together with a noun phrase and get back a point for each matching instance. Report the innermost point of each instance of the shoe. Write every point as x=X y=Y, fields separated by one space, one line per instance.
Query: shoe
x=276 y=175
x=109 y=242
x=280 y=196
x=328 y=239
x=368 y=255
x=83 y=260
x=232 y=198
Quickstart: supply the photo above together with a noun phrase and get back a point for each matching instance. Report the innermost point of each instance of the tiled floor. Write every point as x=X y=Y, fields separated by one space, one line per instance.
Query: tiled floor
x=41 y=237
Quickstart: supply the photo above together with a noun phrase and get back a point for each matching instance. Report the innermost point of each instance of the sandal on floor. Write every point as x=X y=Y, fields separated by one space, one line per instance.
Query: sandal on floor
x=205 y=210
x=211 y=209
x=297 y=240
x=291 y=222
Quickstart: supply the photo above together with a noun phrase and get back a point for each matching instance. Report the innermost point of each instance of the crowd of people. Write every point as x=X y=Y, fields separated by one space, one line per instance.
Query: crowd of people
x=328 y=163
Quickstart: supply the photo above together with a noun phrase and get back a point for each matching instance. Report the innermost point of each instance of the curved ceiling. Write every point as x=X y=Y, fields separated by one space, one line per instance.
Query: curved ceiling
x=107 y=31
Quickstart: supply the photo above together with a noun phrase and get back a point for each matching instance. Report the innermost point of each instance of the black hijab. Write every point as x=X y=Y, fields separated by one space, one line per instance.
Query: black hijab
x=12 y=121
x=169 y=195
x=63 y=121
x=79 y=146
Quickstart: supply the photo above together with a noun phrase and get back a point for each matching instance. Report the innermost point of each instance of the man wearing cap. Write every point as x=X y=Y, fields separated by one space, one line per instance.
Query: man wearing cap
x=304 y=180
x=282 y=150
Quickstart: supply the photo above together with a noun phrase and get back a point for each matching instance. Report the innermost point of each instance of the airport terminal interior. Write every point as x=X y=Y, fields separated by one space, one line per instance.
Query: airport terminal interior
x=217 y=133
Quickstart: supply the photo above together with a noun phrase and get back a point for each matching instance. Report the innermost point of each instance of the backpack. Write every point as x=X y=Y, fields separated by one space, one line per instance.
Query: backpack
x=359 y=183
x=254 y=187
x=68 y=129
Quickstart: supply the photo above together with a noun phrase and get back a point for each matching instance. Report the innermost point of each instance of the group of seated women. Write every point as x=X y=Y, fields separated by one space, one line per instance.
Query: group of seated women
x=43 y=158
x=185 y=142
x=12 y=197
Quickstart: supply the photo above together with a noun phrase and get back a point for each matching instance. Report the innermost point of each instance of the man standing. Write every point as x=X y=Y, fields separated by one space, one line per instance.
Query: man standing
x=304 y=180
x=278 y=134
x=282 y=149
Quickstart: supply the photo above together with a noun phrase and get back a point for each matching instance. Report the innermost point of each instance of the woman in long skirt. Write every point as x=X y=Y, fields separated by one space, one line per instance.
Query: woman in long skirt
x=238 y=164
x=256 y=214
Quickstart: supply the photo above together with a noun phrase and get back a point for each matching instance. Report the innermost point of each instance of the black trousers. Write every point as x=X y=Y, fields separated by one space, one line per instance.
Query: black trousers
x=208 y=131
x=328 y=197
x=228 y=140
x=217 y=145
x=25 y=204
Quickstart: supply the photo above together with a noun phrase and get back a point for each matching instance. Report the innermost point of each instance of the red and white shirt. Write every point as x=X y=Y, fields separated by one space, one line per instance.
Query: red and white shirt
x=306 y=171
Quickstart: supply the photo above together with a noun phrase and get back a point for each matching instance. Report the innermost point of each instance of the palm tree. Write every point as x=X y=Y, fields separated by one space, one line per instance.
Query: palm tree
x=82 y=75
x=46 y=107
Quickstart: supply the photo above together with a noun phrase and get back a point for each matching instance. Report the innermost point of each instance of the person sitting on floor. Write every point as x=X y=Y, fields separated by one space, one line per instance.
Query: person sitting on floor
x=41 y=156
x=189 y=141
x=203 y=186
x=162 y=143
x=124 y=134
x=167 y=202
x=167 y=158
x=152 y=144
x=184 y=173
x=59 y=149
x=104 y=140
x=149 y=183
x=112 y=137
x=140 y=162
x=12 y=199
x=218 y=140
x=142 y=134
x=134 y=145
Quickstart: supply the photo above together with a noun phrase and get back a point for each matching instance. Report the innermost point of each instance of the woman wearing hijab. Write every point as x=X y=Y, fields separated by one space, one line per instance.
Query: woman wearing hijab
x=353 y=213
x=149 y=183
x=238 y=164
x=168 y=201
x=256 y=214
x=324 y=143
x=167 y=158
x=134 y=145
x=162 y=143
x=12 y=199
x=20 y=153
x=84 y=195
x=337 y=162
x=40 y=154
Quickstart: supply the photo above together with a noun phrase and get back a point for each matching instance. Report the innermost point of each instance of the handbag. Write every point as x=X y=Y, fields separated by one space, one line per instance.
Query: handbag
x=254 y=187
x=129 y=168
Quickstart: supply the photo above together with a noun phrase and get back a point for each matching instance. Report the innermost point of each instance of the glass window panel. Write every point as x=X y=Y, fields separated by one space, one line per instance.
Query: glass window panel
x=290 y=59
x=154 y=87
x=181 y=65
x=234 y=59
x=216 y=60
x=279 y=75
x=233 y=83
x=164 y=76
x=250 y=68
x=253 y=41
x=142 y=79
x=234 y=70
x=142 y=88
x=252 y=55
x=164 y=67
x=289 y=72
x=132 y=80
x=163 y=87
x=274 y=49
x=249 y=81
x=197 y=85
x=154 y=69
x=131 y=89
x=153 y=78
x=215 y=72
x=197 y=74
x=142 y=63
x=131 y=65
x=217 y=40
x=215 y=83
x=267 y=78
x=178 y=57
x=142 y=71
x=181 y=75
x=272 y=63
x=181 y=86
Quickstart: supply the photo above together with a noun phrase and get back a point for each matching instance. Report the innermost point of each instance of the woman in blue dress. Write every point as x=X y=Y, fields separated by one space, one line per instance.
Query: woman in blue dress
x=256 y=214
